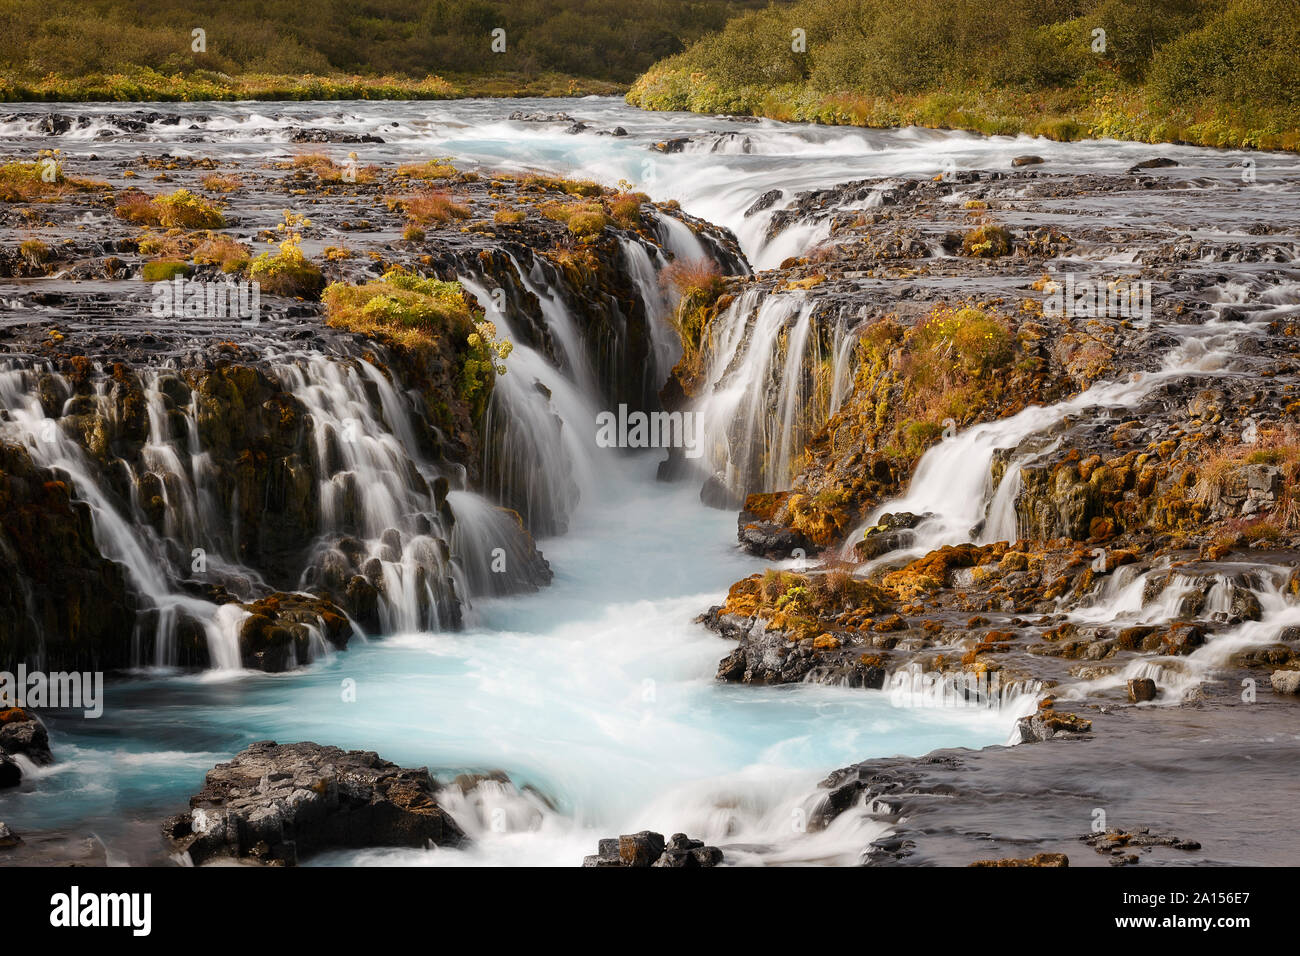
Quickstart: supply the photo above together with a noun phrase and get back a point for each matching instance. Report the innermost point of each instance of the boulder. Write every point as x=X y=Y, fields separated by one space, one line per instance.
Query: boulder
x=1159 y=162
x=1285 y=682
x=273 y=804
x=22 y=733
x=1048 y=724
x=649 y=849
x=1141 y=689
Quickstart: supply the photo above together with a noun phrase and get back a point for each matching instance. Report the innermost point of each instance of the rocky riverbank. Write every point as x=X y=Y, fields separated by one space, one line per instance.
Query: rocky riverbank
x=1004 y=446
x=1172 y=488
x=273 y=804
x=203 y=481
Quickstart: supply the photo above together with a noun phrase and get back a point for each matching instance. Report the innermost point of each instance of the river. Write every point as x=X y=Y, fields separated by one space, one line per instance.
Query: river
x=594 y=696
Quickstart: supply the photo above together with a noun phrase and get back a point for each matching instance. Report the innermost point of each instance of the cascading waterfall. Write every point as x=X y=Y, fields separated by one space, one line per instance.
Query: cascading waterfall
x=770 y=384
x=594 y=691
x=383 y=512
x=644 y=265
x=952 y=482
x=132 y=543
x=1177 y=676
x=539 y=432
x=372 y=486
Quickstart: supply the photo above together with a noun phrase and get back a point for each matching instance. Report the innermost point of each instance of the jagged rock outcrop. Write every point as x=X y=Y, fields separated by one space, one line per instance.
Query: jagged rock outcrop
x=61 y=600
x=22 y=734
x=648 y=849
x=275 y=804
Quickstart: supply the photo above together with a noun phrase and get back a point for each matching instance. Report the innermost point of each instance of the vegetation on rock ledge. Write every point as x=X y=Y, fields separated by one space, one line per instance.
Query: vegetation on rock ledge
x=1210 y=73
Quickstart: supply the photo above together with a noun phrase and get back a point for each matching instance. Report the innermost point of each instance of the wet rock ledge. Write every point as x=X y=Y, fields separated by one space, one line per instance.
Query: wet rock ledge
x=274 y=804
x=648 y=849
x=21 y=734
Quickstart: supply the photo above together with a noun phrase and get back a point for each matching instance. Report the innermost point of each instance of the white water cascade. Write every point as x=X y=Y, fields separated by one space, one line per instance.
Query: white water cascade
x=952 y=483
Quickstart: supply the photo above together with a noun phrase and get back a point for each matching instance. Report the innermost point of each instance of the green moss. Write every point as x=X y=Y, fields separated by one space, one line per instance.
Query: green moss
x=164 y=270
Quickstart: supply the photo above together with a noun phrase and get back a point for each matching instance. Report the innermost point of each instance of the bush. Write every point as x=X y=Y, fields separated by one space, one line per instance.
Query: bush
x=163 y=270
x=433 y=169
x=218 y=183
x=288 y=272
x=625 y=208
x=986 y=242
x=181 y=209
x=434 y=207
x=588 y=222
x=979 y=341
x=221 y=251
x=33 y=251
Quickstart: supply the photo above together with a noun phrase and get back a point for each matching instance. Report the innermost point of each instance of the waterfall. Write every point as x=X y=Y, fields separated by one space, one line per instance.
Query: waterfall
x=373 y=485
x=118 y=536
x=952 y=482
x=383 y=511
x=767 y=388
x=539 y=432
x=644 y=271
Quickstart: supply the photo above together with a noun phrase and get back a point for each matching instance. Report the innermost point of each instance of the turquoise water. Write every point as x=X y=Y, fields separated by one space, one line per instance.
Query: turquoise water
x=598 y=692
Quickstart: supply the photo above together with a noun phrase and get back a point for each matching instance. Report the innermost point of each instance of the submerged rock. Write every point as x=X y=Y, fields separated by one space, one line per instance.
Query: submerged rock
x=274 y=804
x=1160 y=162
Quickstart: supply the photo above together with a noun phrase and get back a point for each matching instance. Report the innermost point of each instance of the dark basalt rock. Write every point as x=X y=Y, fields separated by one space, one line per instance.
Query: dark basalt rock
x=1048 y=724
x=331 y=136
x=770 y=540
x=22 y=733
x=65 y=600
x=1027 y=161
x=278 y=631
x=1160 y=162
x=760 y=535
x=765 y=201
x=648 y=849
x=274 y=804
x=892 y=533
x=674 y=145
